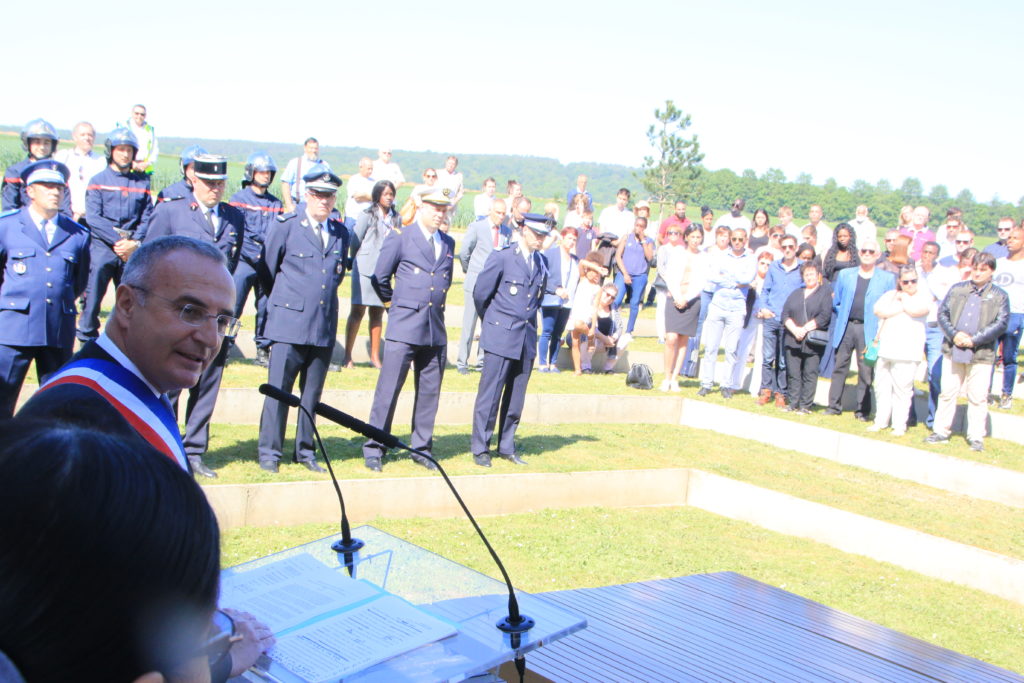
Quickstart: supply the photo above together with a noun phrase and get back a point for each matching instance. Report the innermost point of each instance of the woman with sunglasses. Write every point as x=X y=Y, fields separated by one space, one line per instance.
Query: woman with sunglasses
x=112 y=572
x=902 y=315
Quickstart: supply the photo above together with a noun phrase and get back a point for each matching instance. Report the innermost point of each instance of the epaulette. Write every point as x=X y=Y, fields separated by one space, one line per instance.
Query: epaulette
x=281 y=218
x=170 y=199
x=507 y=246
x=9 y=212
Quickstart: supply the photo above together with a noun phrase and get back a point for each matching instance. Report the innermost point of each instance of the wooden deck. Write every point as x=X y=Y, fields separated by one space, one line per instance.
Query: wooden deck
x=727 y=627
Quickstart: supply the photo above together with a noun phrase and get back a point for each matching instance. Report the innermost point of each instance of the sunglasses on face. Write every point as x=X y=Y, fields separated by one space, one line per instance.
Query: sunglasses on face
x=868 y=251
x=737 y=239
x=909 y=282
x=963 y=241
x=673 y=232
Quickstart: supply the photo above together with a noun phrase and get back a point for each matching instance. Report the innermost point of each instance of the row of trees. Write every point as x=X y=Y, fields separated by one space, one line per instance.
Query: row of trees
x=674 y=171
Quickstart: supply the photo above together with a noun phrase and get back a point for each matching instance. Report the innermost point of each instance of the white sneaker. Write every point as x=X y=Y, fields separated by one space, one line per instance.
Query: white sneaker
x=899 y=432
x=666 y=385
x=875 y=428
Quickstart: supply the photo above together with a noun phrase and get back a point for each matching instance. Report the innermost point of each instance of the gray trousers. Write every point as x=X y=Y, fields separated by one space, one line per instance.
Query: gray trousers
x=469 y=320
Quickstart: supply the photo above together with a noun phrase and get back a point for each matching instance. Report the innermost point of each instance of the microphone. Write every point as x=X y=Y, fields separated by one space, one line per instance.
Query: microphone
x=515 y=623
x=347 y=544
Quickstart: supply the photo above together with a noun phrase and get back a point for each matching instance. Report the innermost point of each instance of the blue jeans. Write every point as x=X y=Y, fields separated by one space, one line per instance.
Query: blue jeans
x=773 y=367
x=636 y=289
x=553 y=319
x=1011 y=342
x=933 y=357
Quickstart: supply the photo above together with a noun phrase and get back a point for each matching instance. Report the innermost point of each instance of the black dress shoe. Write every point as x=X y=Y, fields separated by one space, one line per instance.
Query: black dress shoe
x=199 y=468
x=373 y=463
x=312 y=466
x=423 y=462
x=513 y=458
x=269 y=466
x=833 y=411
x=861 y=418
x=482 y=459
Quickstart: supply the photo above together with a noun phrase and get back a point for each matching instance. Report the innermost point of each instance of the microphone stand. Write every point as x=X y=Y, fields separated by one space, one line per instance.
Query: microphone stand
x=514 y=623
x=346 y=545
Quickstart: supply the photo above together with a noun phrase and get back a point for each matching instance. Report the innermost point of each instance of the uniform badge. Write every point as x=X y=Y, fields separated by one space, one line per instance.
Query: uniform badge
x=19 y=267
x=513 y=290
x=339 y=267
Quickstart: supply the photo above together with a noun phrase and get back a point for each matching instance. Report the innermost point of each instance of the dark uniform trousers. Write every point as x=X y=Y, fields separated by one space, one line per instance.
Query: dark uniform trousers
x=261 y=212
x=38 y=286
x=302 y=324
x=182 y=217
x=851 y=344
x=415 y=333
x=507 y=296
x=106 y=267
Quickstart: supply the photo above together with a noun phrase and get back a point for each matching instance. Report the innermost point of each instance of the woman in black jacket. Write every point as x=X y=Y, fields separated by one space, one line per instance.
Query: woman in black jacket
x=807 y=310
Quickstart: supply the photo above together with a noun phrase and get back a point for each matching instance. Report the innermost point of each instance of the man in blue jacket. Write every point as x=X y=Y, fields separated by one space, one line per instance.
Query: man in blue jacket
x=118 y=208
x=783 y=279
x=507 y=296
x=421 y=259
x=305 y=256
x=44 y=262
x=854 y=325
x=261 y=210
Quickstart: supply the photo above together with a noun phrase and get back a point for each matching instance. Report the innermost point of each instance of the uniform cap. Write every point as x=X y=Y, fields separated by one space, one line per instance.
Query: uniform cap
x=539 y=223
x=45 y=171
x=439 y=197
x=211 y=167
x=321 y=179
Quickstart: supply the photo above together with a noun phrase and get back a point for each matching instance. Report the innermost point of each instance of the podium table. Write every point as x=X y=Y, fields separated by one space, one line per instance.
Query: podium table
x=467 y=598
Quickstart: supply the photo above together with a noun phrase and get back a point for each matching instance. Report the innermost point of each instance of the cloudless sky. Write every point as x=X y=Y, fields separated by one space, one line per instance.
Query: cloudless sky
x=869 y=90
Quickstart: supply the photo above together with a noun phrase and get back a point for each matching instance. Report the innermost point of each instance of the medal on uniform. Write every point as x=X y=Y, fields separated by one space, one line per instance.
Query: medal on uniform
x=19 y=267
x=513 y=290
x=339 y=267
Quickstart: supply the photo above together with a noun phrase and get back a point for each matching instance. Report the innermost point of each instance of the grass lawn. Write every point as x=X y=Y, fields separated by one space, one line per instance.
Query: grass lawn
x=575 y=448
x=556 y=550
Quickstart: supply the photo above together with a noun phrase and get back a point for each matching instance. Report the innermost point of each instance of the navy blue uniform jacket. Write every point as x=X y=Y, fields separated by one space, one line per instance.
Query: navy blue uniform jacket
x=416 y=310
x=507 y=296
x=303 y=305
x=260 y=212
x=40 y=282
x=117 y=200
x=184 y=217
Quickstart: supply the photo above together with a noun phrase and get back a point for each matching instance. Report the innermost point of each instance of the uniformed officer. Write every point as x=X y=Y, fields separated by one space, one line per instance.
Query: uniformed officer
x=182 y=188
x=205 y=217
x=117 y=208
x=44 y=263
x=420 y=258
x=39 y=140
x=305 y=256
x=507 y=295
x=261 y=210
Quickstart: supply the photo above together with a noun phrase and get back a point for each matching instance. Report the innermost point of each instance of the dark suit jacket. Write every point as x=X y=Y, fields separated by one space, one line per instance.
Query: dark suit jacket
x=184 y=217
x=303 y=305
x=507 y=296
x=79 y=404
x=39 y=282
x=416 y=310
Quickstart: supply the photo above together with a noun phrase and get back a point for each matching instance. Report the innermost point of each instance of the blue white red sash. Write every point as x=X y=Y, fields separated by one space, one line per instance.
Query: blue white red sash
x=149 y=415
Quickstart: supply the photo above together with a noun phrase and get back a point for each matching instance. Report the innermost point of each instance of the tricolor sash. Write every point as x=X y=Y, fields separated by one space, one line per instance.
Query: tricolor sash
x=148 y=415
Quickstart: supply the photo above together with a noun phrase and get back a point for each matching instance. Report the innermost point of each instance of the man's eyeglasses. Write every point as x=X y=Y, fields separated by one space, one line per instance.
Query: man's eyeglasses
x=738 y=239
x=430 y=175
x=673 y=232
x=869 y=251
x=194 y=315
x=909 y=282
x=788 y=247
x=963 y=241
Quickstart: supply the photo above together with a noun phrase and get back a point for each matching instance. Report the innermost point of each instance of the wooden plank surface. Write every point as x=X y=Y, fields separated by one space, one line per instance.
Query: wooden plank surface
x=728 y=627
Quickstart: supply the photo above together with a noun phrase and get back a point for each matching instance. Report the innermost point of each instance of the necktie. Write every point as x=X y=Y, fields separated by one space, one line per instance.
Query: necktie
x=46 y=230
x=321 y=230
x=495 y=229
x=210 y=220
x=437 y=246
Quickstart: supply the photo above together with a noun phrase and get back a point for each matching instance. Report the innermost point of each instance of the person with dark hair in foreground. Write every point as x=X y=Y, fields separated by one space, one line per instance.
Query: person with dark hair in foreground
x=116 y=576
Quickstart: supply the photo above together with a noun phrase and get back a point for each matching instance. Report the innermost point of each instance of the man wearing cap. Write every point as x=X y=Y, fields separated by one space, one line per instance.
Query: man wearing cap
x=420 y=258
x=39 y=140
x=305 y=256
x=118 y=209
x=182 y=188
x=44 y=257
x=206 y=218
x=507 y=295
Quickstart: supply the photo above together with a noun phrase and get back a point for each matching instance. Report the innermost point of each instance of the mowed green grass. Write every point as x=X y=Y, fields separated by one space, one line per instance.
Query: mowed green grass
x=579 y=447
x=558 y=550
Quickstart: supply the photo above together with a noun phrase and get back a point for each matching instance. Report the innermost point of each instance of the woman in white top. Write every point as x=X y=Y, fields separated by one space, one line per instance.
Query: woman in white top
x=902 y=313
x=684 y=269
